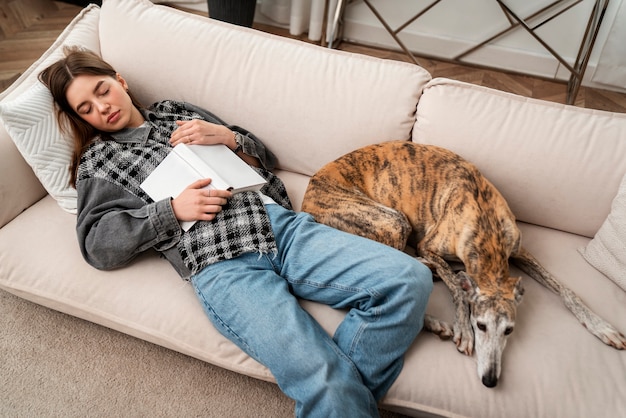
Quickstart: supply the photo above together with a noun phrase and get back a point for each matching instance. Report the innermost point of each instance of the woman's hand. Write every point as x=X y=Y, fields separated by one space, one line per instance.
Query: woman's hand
x=197 y=131
x=196 y=203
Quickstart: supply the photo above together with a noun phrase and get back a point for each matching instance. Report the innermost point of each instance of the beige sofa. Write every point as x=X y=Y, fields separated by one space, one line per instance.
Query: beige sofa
x=559 y=167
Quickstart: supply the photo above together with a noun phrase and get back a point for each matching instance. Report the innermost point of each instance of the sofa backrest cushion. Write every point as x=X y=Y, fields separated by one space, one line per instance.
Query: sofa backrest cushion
x=558 y=166
x=307 y=103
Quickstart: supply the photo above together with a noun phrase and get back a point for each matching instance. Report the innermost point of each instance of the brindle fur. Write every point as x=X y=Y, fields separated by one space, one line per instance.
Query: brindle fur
x=398 y=192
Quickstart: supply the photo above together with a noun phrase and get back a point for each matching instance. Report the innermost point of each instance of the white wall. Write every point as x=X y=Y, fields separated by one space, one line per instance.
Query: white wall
x=453 y=26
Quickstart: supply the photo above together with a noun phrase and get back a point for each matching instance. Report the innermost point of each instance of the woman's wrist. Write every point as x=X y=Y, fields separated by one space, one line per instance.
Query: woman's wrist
x=237 y=140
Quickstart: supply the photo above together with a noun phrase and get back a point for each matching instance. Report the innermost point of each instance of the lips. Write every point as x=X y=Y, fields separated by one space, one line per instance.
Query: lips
x=113 y=117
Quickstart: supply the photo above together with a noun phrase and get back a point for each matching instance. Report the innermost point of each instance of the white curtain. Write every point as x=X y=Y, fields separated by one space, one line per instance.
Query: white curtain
x=611 y=68
x=301 y=16
x=199 y=5
x=304 y=15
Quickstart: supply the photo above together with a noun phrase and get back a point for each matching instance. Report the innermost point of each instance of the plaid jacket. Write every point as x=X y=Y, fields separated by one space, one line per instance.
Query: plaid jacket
x=117 y=220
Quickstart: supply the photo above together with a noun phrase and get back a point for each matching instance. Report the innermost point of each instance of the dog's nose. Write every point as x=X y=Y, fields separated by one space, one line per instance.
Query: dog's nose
x=490 y=380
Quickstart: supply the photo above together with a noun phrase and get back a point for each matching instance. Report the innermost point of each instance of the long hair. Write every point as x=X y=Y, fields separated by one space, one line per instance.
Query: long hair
x=58 y=77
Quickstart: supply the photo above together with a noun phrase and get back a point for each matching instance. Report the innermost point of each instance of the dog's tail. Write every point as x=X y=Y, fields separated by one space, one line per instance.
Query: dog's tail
x=590 y=320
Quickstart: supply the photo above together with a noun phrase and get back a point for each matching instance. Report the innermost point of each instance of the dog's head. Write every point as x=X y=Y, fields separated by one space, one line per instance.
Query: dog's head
x=492 y=315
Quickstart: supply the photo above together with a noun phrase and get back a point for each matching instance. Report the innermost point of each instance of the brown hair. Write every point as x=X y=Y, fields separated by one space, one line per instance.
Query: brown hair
x=58 y=77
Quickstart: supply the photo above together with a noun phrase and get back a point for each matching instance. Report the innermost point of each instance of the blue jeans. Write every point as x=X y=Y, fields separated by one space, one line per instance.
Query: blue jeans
x=252 y=301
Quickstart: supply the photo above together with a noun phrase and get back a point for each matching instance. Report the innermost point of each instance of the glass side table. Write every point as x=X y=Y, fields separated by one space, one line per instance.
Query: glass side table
x=531 y=23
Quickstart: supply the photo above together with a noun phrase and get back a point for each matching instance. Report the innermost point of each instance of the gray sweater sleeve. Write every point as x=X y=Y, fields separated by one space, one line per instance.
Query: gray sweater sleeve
x=114 y=226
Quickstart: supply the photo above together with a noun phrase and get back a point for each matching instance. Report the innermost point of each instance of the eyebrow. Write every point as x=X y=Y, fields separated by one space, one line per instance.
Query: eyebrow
x=98 y=84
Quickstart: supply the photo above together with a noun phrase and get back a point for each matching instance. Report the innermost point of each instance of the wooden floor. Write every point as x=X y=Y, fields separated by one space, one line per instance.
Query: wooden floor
x=28 y=28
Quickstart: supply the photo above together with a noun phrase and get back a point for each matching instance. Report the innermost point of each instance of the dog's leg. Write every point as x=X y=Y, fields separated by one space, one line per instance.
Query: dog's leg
x=463 y=333
x=596 y=325
x=350 y=210
x=438 y=327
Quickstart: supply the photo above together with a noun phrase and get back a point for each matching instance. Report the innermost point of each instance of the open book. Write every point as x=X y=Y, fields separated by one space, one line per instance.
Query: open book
x=188 y=163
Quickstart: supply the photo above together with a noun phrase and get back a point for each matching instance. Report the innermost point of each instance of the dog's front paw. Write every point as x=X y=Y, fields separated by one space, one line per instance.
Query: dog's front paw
x=612 y=337
x=438 y=327
x=464 y=339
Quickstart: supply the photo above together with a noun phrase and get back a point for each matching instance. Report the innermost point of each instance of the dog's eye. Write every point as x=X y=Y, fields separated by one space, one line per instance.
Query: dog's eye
x=481 y=326
x=508 y=330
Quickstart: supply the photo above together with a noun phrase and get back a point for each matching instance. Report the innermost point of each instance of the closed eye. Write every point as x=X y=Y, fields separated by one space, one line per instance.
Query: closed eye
x=84 y=110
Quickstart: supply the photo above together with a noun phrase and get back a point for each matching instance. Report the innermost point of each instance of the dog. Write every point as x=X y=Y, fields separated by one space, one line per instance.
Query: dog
x=399 y=192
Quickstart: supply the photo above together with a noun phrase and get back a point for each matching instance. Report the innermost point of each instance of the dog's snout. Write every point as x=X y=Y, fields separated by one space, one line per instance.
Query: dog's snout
x=490 y=379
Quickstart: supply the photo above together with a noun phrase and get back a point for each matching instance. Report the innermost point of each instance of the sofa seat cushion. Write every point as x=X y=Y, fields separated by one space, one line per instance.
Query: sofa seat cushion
x=552 y=366
x=550 y=357
x=146 y=299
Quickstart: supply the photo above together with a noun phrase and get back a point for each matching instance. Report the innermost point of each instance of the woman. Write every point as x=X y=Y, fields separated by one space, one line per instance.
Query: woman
x=249 y=256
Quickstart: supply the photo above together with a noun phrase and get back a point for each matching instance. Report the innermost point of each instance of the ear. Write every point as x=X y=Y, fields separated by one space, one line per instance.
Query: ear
x=519 y=290
x=512 y=235
x=467 y=283
x=517 y=244
x=122 y=81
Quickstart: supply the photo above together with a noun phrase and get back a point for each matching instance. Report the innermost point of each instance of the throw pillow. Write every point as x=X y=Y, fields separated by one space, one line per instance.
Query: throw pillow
x=607 y=250
x=31 y=122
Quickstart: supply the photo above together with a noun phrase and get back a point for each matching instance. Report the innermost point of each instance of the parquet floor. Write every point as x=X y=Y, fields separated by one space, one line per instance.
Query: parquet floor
x=28 y=27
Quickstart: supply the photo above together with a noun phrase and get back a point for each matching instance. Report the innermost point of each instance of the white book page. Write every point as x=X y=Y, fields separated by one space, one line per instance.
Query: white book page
x=170 y=178
x=205 y=163
x=225 y=166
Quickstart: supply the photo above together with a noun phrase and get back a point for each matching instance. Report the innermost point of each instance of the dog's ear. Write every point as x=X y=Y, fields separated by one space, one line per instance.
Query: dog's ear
x=519 y=290
x=468 y=284
x=512 y=235
x=517 y=244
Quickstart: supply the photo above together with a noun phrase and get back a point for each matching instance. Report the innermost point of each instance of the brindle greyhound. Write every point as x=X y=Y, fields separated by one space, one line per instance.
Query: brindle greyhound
x=398 y=190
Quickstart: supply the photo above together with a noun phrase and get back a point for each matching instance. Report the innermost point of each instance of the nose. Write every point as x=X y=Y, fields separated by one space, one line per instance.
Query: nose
x=490 y=379
x=102 y=107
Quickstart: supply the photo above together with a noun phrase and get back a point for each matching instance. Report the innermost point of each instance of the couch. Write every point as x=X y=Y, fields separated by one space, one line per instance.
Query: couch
x=561 y=168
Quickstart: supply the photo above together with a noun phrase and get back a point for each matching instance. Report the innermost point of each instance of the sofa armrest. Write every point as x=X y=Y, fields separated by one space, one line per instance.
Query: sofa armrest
x=19 y=188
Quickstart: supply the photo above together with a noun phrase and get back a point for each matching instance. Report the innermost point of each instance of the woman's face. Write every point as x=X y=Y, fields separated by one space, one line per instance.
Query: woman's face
x=103 y=102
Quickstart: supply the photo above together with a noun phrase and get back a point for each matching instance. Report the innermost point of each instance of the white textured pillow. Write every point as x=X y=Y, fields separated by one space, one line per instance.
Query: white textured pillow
x=607 y=250
x=27 y=112
x=31 y=122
